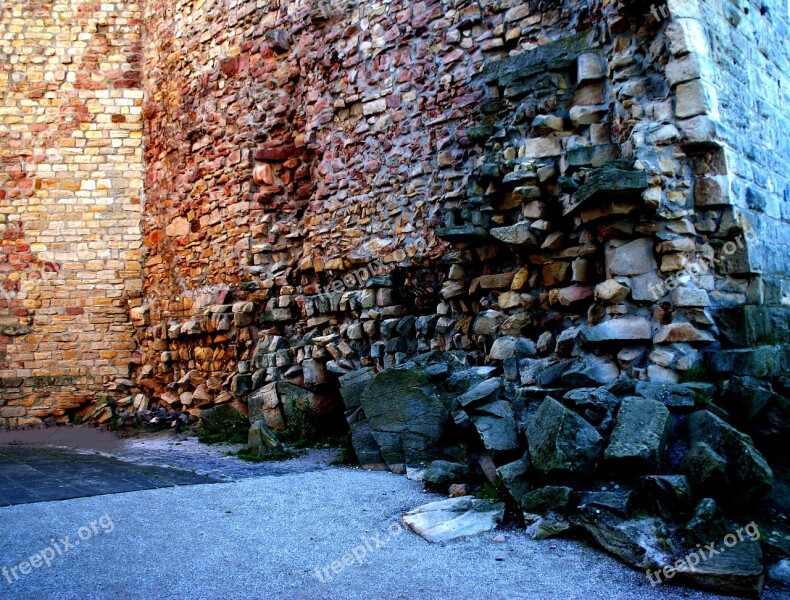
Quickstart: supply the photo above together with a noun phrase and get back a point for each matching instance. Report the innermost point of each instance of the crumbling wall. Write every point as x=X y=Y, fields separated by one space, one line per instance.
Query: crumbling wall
x=70 y=203
x=325 y=170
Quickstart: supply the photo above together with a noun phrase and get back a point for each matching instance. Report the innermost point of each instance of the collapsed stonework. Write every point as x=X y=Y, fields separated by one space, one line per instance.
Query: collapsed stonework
x=541 y=243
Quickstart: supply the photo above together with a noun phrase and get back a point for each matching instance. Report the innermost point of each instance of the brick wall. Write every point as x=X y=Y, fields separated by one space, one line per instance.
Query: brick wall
x=71 y=193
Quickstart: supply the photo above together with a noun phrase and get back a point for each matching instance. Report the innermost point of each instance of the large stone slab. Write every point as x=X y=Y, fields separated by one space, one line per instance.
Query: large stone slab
x=405 y=413
x=451 y=519
x=560 y=440
x=640 y=434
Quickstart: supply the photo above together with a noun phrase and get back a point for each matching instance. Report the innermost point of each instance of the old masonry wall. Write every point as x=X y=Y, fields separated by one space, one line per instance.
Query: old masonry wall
x=338 y=185
x=71 y=185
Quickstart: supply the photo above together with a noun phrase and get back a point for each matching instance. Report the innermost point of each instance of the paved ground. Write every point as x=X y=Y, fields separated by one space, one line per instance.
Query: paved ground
x=38 y=474
x=275 y=536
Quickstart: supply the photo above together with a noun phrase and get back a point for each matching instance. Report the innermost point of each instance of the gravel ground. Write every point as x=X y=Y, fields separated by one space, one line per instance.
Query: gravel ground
x=273 y=531
x=265 y=537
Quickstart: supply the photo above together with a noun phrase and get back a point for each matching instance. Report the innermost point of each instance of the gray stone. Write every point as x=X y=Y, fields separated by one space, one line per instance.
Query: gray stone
x=642 y=542
x=640 y=434
x=548 y=499
x=706 y=469
x=590 y=371
x=441 y=472
x=597 y=405
x=633 y=258
x=262 y=440
x=606 y=182
x=365 y=446
x=352 y=386
x=487 y=322
x=617 y=502
x=405 y=413
x=454 y=518
x=677 y=397
x=779 y=573
x=496 y=425
x=560 y=440
x=502 y=348
x=611 y=291
x=517 y=235
x=546 y=526
x=626 y=329
x=482 y=392
x=668 y=495
x=738 y=571
x=513 y=476
x=747 y=469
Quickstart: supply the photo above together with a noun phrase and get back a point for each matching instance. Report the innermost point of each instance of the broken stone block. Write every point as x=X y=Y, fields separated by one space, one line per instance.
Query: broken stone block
x=695 y=98
x=560 y=440
x=668 y=495
x=633 y=258
x=496 y=425
x=737 y=572
x=262 y=440
x=482 y=392
x=642 y=542
x=705 y=468
x=597 y=405
x=747 y=470
x=689 y=296
x=548 y=499
x=590 y=67
x=454 y=518
x=442 y=472
x=514 y=477
x=640 y=434
x=546 y=526
x=590 y=371
x=626 y=329
x=275 y=403
x=517 y=235
x=352 y=386
x=681 y=332
x=365 y=446
x=607 y=182
x=611 y=291
x=406 y=416
x=503 y=348
x=487 y=322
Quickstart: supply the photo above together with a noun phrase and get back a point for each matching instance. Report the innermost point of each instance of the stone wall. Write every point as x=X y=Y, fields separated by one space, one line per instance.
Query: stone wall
x=492 y=165
x=70 y=203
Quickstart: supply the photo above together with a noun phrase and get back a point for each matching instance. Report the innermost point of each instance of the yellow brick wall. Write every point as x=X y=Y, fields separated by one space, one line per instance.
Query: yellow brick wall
x=71 y=193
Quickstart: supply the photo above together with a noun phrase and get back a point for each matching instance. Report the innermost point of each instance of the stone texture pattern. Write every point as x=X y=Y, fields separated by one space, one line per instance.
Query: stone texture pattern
x=331 y=186
x=70 y=203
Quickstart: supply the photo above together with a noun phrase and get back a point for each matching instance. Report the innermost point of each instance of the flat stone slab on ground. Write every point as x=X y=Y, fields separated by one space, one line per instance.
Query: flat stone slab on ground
x=454 y=518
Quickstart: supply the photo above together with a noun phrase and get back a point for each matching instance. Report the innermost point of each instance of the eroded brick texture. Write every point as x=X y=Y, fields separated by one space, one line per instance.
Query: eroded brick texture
x=70 y=202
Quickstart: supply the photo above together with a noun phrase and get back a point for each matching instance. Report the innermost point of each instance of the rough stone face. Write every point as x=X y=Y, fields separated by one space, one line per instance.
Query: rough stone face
x=441 y=472
x=496 y=425
x=642 y=542
x=628 y=329
x=633 y=258
x=560 y=440
x=405 y=414
x=747 y=470
x=640 y=434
